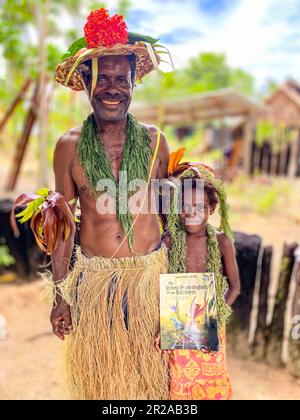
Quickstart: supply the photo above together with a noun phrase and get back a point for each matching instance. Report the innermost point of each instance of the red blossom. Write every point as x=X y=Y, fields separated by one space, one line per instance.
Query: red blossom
x=104 y=30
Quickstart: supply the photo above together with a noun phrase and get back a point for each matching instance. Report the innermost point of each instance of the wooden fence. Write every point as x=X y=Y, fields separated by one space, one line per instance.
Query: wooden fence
x=249 y=333
x=282 y=160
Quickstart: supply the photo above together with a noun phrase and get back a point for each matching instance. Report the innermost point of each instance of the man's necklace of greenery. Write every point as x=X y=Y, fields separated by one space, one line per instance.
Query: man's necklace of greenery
x=135 y=162
x=177 y=253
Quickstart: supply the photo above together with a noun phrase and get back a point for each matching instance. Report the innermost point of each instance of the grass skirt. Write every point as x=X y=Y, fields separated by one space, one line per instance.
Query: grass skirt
x=115 y=314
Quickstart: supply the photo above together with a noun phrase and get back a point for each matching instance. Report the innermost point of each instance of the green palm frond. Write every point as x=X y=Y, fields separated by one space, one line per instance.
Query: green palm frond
x=134 y=37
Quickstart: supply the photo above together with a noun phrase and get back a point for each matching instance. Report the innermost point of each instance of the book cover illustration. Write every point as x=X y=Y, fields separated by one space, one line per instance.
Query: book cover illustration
x=188 y=312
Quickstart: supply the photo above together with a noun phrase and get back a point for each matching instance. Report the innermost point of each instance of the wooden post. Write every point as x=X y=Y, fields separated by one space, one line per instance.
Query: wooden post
x=248 y=143
x=269 y=159
x=273 y=160
x=253 y=165
x=248 y=251
x=287 y=161
x=298 y=157
x=261 y=157
x=223 y=146
x=292 y=170
x=14 y=104
x=276 y=333
x=261 y=332
x=294 y=339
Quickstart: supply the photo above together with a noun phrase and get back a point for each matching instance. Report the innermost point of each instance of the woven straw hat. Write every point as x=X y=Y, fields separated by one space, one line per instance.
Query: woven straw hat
x=108 y=36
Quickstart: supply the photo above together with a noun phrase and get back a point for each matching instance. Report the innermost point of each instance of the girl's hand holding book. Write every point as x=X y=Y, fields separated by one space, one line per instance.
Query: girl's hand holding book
x=157 y=345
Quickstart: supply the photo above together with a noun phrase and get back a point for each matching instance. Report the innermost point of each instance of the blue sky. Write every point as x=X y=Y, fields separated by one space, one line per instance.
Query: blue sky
x=261 y=36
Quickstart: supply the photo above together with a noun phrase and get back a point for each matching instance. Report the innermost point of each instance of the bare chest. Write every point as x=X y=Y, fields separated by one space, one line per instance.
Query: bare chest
x=114 y=154
x=115 y=160
x=196 y=255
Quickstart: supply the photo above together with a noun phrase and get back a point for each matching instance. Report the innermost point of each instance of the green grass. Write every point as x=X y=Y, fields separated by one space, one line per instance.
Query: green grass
x=260 y=195
x=5 y=258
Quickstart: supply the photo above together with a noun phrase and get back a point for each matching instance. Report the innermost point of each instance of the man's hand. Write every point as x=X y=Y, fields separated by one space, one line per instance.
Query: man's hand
x=61 y=319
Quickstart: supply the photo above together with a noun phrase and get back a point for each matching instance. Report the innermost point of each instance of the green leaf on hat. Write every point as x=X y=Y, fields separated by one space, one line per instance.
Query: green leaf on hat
x=76 y=46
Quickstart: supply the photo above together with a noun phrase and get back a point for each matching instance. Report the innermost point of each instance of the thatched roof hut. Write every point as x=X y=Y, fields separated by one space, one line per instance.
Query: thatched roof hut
x=284 y=104
x=215 y=105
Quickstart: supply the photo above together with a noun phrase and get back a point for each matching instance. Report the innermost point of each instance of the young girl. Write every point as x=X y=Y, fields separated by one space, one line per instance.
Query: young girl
x=196 y=247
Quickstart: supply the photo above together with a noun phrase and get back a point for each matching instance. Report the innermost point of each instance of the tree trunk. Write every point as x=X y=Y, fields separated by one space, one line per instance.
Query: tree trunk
x=14 y=104
x=22 y=144
x=42 y=15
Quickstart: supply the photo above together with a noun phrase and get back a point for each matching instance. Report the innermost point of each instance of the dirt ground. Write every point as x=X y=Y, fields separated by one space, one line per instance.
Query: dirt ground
x=31 y=365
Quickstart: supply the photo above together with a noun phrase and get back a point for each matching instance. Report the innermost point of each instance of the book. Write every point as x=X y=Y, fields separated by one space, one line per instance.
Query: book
x=188 y=312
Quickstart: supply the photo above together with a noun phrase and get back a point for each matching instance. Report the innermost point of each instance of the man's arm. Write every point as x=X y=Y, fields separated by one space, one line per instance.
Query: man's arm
x=61 y=256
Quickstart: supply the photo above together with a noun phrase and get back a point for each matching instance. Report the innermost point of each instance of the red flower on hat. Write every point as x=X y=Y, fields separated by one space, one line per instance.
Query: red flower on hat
x=104 y=30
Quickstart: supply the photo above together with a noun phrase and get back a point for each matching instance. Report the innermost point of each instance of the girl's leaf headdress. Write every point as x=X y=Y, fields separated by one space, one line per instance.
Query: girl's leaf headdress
x=178 y=171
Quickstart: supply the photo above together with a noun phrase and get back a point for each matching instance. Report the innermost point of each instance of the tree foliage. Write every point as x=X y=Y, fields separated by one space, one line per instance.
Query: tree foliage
x=19 y=31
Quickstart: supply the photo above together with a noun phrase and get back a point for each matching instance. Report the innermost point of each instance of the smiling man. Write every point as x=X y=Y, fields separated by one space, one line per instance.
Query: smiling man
x=107 y=305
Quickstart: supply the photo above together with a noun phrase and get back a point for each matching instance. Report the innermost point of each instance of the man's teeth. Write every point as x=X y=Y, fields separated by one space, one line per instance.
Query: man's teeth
x=107 y=102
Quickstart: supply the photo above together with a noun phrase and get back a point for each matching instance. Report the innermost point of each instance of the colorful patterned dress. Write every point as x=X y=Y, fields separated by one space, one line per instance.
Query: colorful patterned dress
x=195 y=375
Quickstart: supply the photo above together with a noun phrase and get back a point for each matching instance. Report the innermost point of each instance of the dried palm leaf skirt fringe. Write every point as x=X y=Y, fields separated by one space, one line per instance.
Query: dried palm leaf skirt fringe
x=115 y=314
